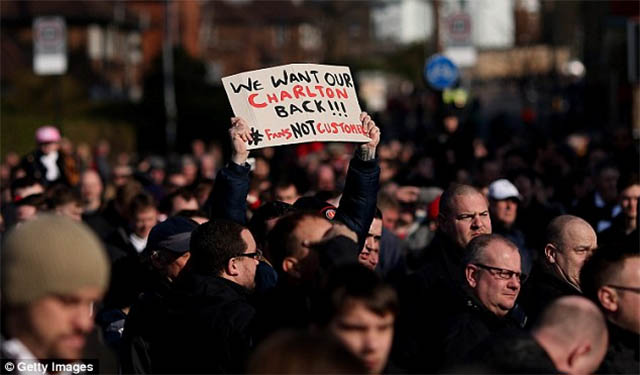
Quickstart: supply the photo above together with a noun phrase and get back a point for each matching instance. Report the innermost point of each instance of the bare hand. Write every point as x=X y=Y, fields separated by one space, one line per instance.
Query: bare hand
x=368 y=150
x=240 y=135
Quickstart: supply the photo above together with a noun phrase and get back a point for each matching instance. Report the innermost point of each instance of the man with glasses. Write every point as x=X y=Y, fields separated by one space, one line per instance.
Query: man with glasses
x=493 y=275
x=209 y=318
x=611 y=278
x=570 y=240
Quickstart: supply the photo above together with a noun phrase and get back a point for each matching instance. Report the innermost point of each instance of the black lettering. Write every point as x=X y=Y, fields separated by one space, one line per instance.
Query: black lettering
x=305 y=106
x=281 y=111
x=296 y=130
x=313 y=129
x=330 y=79
x=277 y=82
x=315 y=75
x=347 y=79
x=319 y=106
x=293 y=109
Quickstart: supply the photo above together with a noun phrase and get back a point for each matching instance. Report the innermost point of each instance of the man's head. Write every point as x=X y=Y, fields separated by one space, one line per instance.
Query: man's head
x=168 y=245
x=463 y=214
x=181 y=199
x=606 y=181
x=390 y=209
x=503 y=202
x=611 y=278
x=493 y=272
x=370 y=253
x=289 y=240
x=570 y=241
x=573 y=333
x=286 y=191
x=91 y=186
x=225 y=249
x=53 y=271
x=143 y=214
x=66 y=201
x=629 y=196
x=360 y=309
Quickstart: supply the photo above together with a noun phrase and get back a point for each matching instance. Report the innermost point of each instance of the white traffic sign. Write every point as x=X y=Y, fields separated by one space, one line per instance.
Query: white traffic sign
x=49 y=45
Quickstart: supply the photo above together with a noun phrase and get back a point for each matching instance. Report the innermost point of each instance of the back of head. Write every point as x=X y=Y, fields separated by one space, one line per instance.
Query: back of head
x=212 y=244
x=281 y=241
x=605 y=265
x=292 y=352
x=258 y=225
x=51 y=255
x=572 y=326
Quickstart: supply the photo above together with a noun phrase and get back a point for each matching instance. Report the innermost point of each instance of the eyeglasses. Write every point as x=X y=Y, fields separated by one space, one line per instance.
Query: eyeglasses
x=502 y=273
x=257 y=255
x=627 y=288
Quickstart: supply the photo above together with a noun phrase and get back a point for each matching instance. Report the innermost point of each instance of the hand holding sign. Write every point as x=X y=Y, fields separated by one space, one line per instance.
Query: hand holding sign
x=297 y=103
x=368 y=150
x=240 y=136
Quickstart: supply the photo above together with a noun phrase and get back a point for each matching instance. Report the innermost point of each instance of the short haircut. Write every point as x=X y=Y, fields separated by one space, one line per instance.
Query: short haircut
x=141 y=202
x=355 y=283
x=476 y=247
x=300 y=352
x=281 y=241
x=212 y=244
x=604 y=264
x=184 y=192
x=556 y=228
x=386 y=202
x=446 y=208
x=270 y=210
x=570 y=318
x=59 y=195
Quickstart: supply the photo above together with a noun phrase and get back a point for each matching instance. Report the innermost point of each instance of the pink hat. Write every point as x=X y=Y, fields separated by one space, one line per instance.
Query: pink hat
x=47 y=134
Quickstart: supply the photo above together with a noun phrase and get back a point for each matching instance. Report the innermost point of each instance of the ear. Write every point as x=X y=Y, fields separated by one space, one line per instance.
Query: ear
x=550 y=251
x=290 y=266
x=231 y=269
x=577 y=353
x=608 y=298
x=471 y=274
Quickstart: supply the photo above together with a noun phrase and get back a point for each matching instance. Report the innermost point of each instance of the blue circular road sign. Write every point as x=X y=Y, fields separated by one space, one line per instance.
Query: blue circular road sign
x=440 y=72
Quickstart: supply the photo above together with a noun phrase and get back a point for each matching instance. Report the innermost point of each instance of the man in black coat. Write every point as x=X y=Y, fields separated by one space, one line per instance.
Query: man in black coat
x=209 y=323
x=569 y=242
x=463 y=215
x=570 y=337
x=611 y=278
x=492 y=282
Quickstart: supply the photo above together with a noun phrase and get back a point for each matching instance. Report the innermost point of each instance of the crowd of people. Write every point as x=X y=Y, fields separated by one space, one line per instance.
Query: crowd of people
x=446 y=254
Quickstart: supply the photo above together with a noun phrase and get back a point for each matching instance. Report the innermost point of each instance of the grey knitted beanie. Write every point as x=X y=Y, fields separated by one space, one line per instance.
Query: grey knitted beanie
x=51 y=255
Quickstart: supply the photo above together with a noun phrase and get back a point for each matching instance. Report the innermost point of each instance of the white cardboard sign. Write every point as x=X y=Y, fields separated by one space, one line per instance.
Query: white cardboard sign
x=297 y=103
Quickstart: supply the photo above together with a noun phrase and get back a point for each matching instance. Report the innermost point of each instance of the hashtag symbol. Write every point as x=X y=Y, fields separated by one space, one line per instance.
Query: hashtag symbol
x=257 y=137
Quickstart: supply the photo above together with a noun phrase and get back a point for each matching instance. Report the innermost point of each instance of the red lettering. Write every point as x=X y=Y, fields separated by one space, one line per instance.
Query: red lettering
x=319 y=127
x=342 y=93
x=285 y=95
x=330 y=93
x=268 y=133
x=319 y=88
x=297 y=91
x=253 y=103
x=272 y=98
x=309 y=93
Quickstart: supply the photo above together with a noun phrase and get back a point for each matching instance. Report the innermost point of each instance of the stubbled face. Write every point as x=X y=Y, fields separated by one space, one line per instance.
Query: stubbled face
x=144 y=220
x=247 y=265
x=370 y=254
x=578 y=243
x=368 y=335
x=469 y=219
x=505 y=211
x=56 y=326
x=496 y=294
x=629 y=201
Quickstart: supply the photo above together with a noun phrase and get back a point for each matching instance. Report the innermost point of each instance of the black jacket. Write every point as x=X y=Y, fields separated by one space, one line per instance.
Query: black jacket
x=208 y=328
x=623 y=354
x=510 y=352
x=543 y=287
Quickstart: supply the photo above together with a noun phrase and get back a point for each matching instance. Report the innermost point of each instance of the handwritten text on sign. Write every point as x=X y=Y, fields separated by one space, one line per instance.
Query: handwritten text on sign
x=297 y=103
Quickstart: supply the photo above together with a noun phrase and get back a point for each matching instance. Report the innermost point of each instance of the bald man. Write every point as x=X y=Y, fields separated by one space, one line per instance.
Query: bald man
x=569 y=338
x=570 y=241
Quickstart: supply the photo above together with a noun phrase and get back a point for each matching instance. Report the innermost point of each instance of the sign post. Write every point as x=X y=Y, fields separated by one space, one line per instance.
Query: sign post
x=441 y=72
x=49 y=46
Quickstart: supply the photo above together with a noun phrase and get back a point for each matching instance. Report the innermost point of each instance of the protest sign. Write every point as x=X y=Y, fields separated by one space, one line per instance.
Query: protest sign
x=297 y=103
